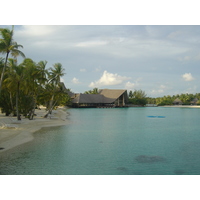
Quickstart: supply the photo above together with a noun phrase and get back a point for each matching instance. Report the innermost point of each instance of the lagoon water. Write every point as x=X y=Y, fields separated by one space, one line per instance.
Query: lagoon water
x=119 y=141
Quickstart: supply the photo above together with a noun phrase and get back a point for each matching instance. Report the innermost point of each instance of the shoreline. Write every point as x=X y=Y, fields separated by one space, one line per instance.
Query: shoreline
x=13 y=137
x=181 y=106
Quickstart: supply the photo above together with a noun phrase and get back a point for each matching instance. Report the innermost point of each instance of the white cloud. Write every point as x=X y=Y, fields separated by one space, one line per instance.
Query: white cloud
x=82 y=70
x=185 y=58
x=187 y=77
x=162 y=86
x=91 y=44
x=129 y=85
x=161 y=89
x=75 y=81
x=37 y=30
x=109 y=79
x=98 y=69
x=62 y=80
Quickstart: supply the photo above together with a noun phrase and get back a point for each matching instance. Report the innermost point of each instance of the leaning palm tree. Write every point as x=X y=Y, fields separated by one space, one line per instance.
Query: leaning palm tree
x=7 y=46
x=57 y=71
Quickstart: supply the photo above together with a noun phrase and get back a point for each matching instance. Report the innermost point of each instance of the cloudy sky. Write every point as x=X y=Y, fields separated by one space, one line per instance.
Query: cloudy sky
x=161 y=60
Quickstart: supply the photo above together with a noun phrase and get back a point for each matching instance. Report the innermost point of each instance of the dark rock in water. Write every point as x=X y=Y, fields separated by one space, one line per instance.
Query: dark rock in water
x=179 y=172
x=149 y=159
x=156 y=116
x=122 y=168
x=1 y=148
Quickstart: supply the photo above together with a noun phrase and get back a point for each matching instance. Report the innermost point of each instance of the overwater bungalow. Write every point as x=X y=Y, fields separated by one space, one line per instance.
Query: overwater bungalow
x=105 y=98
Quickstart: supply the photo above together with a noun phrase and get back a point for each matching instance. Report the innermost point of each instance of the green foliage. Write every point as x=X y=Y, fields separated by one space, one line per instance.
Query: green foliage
x=28 y=85
x=94 y=91
x=7 y=46
x=138 y=97
x=168 y=100
x=6 y=102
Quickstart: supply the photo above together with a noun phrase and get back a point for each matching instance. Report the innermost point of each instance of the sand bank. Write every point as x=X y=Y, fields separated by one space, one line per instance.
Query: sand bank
x=23 y=132
x=177 y=106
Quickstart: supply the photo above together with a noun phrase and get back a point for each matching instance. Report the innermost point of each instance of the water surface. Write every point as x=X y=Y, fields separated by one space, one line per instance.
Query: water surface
x=120 y=141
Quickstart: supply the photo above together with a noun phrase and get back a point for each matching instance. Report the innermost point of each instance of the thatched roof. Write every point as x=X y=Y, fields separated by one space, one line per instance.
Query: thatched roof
x=88 y=98
x=111 y=93
x=177 y=100
x=195 y=100
x=105 y=96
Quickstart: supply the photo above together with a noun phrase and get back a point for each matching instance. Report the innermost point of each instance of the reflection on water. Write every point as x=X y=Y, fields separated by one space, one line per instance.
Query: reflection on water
x=113 y=141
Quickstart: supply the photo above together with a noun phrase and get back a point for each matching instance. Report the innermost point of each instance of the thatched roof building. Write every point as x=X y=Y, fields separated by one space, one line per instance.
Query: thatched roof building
x=194 y=101
x=105 y=98
x=177 y=101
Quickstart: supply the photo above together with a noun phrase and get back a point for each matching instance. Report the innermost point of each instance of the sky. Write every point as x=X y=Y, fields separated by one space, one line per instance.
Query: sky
x=158 y=59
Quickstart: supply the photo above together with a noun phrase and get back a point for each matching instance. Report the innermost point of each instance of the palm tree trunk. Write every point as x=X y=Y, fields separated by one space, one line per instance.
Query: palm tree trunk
x=33 y=110
x=17 y=102
x=51 y=104
x=2 y=74
x=50 y=110
x=11 y=102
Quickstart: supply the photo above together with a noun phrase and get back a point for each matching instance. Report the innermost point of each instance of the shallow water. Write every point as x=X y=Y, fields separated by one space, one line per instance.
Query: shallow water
x=120 y=141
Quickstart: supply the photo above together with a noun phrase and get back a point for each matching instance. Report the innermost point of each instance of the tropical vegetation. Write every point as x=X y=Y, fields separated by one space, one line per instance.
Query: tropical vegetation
x=138 y=97
x=26 y=86
x=94 y=91
x=186 y=99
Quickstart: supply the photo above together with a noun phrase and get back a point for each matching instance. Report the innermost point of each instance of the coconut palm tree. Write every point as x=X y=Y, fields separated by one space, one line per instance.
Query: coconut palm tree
x=7 y=46
x=57 y=71
x=43 y=72
x=94 y=91
x=15 y=77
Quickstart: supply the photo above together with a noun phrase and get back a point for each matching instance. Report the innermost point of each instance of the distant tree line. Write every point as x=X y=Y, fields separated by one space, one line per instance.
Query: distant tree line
x=186 y=99
x=25 y=86
x=140 y=98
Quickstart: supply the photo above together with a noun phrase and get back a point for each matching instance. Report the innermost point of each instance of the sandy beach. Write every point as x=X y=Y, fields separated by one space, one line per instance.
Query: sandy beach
x=19 y=133
x=182 y=106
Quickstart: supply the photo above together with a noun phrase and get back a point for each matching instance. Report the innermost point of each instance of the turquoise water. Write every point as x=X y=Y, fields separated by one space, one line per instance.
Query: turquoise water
x=120 y=141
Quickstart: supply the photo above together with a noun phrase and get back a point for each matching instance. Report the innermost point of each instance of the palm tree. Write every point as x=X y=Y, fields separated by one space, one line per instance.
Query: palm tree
x=56 y=73
x=15 y=77
x=35 y=77
x=94 y=91
x=7 y=46
x=54 y=82
x=42 y=72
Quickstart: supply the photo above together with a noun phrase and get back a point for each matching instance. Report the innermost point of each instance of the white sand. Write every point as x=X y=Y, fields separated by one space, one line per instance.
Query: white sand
x=177 y=106
x=12 y=137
